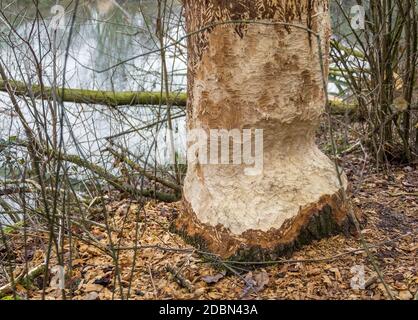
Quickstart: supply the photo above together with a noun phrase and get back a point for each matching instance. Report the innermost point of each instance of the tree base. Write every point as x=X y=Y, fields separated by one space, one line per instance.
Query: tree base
x=325 y=218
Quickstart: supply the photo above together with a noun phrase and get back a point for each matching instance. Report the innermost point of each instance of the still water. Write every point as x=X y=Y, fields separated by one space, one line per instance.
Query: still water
x=105 y=33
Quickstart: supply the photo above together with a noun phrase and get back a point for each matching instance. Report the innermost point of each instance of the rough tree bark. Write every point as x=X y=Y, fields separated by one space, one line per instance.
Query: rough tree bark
x=262 y=76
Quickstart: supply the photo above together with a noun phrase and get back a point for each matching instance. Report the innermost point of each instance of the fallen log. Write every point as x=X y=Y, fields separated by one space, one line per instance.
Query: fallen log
x=102 y=173
x=115 y=181
x=100 y=97
x=349 y=52
x=144 y=172
x=125 y=98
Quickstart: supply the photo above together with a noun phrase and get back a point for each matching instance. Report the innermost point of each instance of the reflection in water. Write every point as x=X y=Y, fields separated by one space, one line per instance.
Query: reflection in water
x=106 y=32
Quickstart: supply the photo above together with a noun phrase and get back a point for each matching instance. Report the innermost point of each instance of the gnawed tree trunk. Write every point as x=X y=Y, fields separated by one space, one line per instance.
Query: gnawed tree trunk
x=260 y=76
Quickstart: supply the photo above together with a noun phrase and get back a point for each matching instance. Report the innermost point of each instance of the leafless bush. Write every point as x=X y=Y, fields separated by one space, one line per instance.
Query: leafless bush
x=378 y=64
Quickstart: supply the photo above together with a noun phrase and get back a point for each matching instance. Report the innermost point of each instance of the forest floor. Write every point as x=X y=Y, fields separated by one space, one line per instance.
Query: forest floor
x=153 y=263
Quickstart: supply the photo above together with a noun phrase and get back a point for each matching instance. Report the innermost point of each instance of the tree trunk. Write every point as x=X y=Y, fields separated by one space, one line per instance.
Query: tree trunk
x=263 y=75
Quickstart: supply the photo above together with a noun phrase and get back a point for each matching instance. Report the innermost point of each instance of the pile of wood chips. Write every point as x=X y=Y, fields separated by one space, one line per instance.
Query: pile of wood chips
x=150 y=262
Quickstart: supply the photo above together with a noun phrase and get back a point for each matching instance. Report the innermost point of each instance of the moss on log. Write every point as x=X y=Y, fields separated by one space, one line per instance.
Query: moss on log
x=342 y=108
x=108 y=98
x=348 y=51
x=127 y=98
x=12 y=228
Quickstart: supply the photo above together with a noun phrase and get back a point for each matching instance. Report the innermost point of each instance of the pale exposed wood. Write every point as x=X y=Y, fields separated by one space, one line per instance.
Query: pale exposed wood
x=268 y=77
